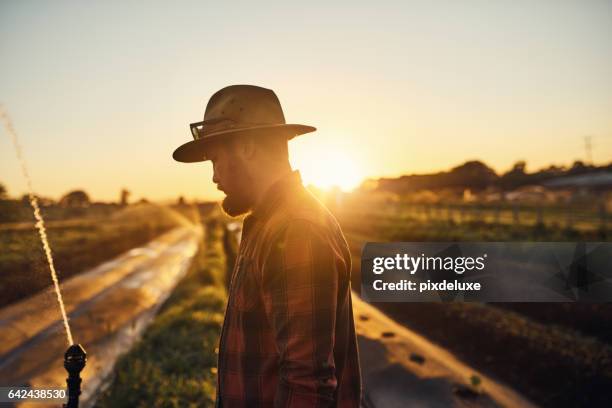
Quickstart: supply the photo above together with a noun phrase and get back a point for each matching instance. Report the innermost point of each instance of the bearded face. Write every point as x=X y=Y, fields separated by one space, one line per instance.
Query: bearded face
x=234 y=180
x=237 y=200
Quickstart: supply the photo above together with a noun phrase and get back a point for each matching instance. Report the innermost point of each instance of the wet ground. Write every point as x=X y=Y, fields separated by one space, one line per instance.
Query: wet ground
x=401 y=368
x=108 y=308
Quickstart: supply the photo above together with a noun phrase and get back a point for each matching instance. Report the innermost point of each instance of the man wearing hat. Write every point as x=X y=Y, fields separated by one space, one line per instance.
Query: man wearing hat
x=288 y=339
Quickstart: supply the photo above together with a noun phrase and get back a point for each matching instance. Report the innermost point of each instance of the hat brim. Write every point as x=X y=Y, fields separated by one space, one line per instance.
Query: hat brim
x=193 y=151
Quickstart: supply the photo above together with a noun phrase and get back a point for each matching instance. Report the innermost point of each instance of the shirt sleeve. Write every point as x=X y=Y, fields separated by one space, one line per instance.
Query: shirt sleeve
x=300 y=284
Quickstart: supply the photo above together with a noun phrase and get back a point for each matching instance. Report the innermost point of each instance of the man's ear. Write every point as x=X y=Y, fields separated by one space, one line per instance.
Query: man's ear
x=248 y=148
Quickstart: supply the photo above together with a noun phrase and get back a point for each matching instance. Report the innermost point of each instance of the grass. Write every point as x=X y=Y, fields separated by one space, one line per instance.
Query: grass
x=174 y=364
x=77 y=243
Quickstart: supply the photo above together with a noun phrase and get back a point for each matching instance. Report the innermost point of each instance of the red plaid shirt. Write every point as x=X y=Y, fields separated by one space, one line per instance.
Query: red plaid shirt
x=288 y=338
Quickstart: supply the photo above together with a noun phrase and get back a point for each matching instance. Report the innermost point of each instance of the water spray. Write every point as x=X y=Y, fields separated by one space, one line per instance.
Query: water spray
x=75 y=357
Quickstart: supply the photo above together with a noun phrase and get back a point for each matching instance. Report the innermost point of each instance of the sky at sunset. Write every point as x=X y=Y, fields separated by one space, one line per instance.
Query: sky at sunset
x=101 y=93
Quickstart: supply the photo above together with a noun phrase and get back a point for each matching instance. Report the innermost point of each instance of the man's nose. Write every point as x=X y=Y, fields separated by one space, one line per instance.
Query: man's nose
x=215 y=176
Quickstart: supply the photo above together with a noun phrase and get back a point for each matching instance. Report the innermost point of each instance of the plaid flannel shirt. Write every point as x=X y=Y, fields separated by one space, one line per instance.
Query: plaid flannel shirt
x=288 y=338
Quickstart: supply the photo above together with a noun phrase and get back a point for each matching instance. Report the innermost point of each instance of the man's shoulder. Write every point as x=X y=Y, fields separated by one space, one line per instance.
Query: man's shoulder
x=303 y=208
x=302 y=216
x=302 y=211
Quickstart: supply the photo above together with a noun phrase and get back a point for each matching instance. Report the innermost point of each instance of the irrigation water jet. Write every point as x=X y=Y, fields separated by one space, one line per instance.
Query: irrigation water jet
x=40 y=223
x=75 y=357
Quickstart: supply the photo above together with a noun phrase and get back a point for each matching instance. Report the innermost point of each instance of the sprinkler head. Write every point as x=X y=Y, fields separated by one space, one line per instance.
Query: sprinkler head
x=74 y=361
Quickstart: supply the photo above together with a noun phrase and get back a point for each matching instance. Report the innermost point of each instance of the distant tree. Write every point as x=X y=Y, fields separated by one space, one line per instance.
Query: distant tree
x=42 y=201
x=475 y=175
x=519 y=167
x=181 y=200
x=578 y=167
x=515 y=177
x=3 y=193
x=472 y=174
x=554 y=170
x=75 y=199
x=125 y=194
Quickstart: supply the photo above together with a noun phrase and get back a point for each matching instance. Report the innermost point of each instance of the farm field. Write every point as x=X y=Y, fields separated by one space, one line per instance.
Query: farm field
x=555 y=354
x=78 y=242
x=558 y=354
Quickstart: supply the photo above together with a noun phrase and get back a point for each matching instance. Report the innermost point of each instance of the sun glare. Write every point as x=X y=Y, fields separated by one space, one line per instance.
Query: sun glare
x=332 y=170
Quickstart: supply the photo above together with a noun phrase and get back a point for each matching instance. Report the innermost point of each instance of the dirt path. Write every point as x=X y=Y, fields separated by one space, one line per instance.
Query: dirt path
x=108 y=308
x=400 y=368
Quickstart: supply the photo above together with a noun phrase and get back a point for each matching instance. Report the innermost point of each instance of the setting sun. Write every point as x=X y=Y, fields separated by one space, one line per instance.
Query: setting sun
x=332 y=169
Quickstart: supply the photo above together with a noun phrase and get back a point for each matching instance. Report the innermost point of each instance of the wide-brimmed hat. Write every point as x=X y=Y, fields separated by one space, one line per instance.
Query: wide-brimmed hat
x=237 y=109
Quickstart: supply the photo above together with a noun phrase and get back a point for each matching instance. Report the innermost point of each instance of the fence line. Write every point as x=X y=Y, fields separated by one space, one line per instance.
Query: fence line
x=568 y=217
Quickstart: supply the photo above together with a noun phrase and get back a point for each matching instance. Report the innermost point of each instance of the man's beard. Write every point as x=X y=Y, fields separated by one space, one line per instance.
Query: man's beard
x=239 y=200
x=235 y=205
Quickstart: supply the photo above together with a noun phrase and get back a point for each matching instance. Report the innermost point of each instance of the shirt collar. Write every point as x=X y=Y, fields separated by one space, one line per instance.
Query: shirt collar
x=275 y=194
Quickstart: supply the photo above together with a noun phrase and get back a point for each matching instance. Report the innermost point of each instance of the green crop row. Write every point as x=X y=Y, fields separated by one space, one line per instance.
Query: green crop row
x=174 y=364
x=77 y=244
